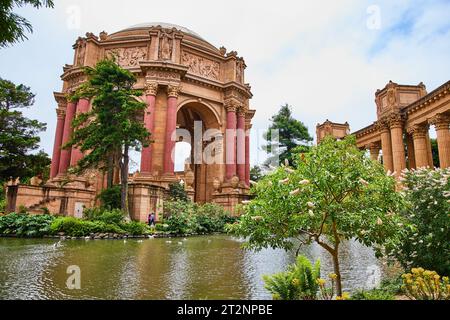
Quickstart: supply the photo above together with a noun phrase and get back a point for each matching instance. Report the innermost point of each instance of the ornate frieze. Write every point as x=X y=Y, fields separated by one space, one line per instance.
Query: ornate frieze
x=128 y=57
x=201 y=66
x=163 y=75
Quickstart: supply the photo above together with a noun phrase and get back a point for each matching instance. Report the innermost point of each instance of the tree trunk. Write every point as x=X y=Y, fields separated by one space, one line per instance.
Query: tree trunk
x=110 y=172
x=124 y=181
x=337 y=271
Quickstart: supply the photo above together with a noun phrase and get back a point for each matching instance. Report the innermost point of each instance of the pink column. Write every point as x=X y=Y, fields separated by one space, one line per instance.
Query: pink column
x=61 y=113
x=77 y=155
x=231 y=142
x=240 y=152
x=65 y=153
x=247 y=155
x=149 y=121
x=171 y=127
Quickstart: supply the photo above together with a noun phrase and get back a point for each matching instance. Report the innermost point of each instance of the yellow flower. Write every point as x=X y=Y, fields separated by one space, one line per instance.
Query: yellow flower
x=345 y=296
x=333 y=276
x=445 y=279
x=321 y=282
x=437 y=277
x=295 y=282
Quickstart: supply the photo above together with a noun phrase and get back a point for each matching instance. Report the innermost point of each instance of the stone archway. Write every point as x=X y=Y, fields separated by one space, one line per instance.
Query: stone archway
x=200 y=123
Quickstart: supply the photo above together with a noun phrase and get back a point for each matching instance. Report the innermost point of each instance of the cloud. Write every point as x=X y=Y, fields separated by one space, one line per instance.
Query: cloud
x=319 y=56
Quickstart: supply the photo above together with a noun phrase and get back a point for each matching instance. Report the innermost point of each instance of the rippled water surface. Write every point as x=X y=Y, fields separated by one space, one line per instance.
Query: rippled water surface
x=196 y=268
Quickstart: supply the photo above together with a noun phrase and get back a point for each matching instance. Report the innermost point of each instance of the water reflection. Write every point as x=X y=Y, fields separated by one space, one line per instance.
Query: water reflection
x=195 y=268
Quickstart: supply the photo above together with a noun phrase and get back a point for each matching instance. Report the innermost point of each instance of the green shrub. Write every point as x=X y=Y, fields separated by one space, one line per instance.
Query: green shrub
x=74 y=227
x=110 y=198
x=114 y=216
x=300 y=281
x=135 y=228
x=374 y=294
x=281 y=286
x=426 y=240
x=24 y=225
x=178 y=193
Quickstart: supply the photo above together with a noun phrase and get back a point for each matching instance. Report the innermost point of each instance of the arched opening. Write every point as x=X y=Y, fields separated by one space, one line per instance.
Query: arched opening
x=182 y=155
x=194 y=119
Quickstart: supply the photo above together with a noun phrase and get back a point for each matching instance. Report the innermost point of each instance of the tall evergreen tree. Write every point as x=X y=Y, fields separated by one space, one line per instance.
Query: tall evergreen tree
x=292 y=133
x=18 y=134
x=13 y=26
x=112 y=127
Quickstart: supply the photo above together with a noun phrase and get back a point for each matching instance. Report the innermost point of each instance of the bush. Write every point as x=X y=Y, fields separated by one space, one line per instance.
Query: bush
x=74 y=227
x=375 y=294
x=300 y=281
x=114 y=216
x=24 y=225
x=187 y=217
x=423 y=284
x=111 y=198
x=178 y=193
x=136 y=228
x=426 y=241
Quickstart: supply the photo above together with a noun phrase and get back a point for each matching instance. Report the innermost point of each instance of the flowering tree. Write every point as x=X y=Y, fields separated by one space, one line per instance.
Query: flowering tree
x=335 y=193
x=427 y=242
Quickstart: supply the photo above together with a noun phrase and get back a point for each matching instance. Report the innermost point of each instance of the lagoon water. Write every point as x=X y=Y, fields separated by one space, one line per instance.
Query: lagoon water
x=214 y=267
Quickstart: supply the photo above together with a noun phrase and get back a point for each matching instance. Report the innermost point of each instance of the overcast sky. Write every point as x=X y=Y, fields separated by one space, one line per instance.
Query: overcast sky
x=325 y=58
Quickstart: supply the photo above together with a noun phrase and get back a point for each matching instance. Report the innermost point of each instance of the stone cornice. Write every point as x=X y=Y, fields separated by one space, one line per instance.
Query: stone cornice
x=72 y=73
x=365 y=131
x=430 y=98
x=61 y=99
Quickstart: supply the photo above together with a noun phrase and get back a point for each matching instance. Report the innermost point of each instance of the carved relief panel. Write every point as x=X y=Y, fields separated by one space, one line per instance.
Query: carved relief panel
x=128 y=57
x=201 y=66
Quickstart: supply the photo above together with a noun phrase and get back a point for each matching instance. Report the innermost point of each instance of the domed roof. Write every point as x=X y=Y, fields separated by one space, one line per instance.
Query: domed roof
x=142 y=29
x=164 y=25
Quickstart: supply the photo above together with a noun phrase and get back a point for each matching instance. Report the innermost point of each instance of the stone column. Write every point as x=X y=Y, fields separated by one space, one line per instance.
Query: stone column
x=374 y=151
x=429 y=150
x=231 y=141
x=247 y=154
x=171 y=127
x=398 y=147
x=77 y=155
x=61 y=114
x=411 y=152
x=419 y=133
x=386 y=146
x=65 y=153
x=240 y=152
x=441 y=123
x=151 y=90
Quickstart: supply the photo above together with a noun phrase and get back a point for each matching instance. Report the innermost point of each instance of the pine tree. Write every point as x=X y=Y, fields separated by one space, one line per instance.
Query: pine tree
x=108 y=132
x=291 y=134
